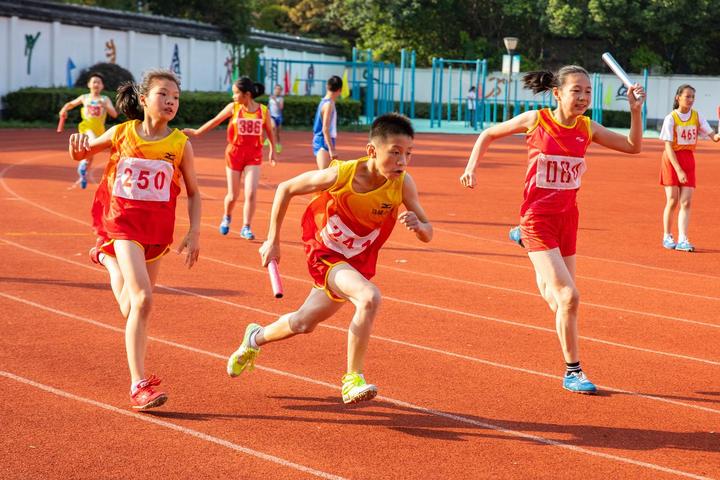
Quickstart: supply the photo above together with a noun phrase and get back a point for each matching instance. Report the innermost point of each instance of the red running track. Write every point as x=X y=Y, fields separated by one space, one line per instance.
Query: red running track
x=464 y=351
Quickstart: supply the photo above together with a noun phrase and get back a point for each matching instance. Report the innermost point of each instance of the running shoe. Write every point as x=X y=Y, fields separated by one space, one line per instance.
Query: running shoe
x=355 y=389
x=577 y=382
x=82 y=173
x=685 y=246
x=225 y=225
x=244 y=357
x=515 y=235
x=146 y=396
x=278 y=147
x=246 y=233
x=669 y=242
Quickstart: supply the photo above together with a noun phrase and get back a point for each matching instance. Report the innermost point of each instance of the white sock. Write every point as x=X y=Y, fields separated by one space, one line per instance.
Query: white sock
x=134 y=386
x=252 y=342
x=668 y=236
x=682 y=238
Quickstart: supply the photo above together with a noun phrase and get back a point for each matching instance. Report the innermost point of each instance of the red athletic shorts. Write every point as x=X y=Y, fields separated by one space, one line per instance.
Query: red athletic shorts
x=545 y=232
x=152 y=252
x=668 y=176
x=237 y=157
x=320 y=263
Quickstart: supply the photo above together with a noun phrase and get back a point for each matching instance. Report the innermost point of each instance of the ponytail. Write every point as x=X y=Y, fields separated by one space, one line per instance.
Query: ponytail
x=245 y=85
x=540 y=81
x=128 y=101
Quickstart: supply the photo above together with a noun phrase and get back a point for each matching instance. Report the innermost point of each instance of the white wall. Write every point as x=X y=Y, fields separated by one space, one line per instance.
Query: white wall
x=202 y=62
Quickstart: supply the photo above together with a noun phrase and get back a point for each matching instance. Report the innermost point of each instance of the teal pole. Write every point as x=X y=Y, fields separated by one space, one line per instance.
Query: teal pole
x=402 y=81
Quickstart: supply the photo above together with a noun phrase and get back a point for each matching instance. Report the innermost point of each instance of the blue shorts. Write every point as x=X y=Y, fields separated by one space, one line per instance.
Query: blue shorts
x=277 y=120
x=319 y=144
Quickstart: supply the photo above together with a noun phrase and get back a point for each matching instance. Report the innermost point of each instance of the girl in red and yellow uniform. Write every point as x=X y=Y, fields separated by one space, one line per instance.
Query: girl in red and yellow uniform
x=344 y=227
x=95 y=107
x=244 y=152
x=680 y=132
x=557 y=141
x=134 y=209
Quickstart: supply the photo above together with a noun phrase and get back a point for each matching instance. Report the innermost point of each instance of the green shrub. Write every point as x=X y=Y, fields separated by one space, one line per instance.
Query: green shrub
x=196 y=108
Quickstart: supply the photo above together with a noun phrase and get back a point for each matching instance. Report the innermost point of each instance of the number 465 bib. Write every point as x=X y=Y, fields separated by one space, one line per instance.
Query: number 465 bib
x=143 y=179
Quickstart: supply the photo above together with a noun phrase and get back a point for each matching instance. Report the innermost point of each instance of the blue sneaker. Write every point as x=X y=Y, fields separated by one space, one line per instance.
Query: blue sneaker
x=669 y=242
x=225 y=225
x=577 y=382
x=82 y=172
x=685 y=246
x=246 y=233
x=516 y=236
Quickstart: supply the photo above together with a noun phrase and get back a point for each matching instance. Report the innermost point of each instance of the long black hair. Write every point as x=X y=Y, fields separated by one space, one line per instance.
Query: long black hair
x=128 y=93
x=544 y=80
x=245 y=84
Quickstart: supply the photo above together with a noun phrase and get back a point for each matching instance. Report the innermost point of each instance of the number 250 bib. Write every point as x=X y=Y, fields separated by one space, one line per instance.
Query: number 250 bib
x=143 y=179
x=559 y=172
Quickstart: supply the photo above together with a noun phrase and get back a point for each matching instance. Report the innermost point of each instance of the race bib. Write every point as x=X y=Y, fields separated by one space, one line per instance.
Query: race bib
x=93 y=110
x=142 y=179
x=686 y=134
x=340 y=238
x=559 y=172
x=249 y=126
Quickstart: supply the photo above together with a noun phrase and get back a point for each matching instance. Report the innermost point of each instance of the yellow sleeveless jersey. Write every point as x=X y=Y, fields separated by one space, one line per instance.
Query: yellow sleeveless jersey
x=93 y=114
x=685 y=133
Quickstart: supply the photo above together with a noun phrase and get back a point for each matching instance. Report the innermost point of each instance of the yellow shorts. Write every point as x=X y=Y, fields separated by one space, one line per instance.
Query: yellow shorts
x=86 y=126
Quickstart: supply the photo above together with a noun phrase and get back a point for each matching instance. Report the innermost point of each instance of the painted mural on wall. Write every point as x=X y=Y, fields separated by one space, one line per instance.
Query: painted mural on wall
x=110 y=51
x=30 y=41
x=175 y=62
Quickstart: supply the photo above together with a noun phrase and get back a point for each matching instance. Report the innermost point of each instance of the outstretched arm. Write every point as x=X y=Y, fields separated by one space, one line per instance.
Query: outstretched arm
x=633 y=142
x=519 y=124
x=69 y=106
x=80 y=146
x=192 y=238
x=210 y=124
x=308 y=182
x=414 y=218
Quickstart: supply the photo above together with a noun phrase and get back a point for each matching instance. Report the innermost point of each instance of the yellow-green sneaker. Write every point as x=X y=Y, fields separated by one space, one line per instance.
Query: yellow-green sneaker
x=244 y=357
x=355 y=389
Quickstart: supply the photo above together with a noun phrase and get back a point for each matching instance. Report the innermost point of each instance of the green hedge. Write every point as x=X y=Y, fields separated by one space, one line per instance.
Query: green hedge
x=196 y=108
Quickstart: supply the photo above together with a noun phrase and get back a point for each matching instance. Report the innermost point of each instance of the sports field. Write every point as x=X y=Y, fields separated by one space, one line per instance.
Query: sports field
x=464 y=350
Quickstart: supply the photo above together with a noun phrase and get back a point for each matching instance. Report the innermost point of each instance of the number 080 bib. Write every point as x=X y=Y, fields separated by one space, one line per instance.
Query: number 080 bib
x=559 y=172
x=143 y=179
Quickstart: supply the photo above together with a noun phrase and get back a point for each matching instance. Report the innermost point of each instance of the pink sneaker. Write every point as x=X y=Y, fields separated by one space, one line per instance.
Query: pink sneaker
x=146 y=397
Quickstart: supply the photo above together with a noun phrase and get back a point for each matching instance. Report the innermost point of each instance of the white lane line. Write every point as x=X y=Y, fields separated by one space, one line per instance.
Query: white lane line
x=171 y=426
x=429 y=411
x=389 y=340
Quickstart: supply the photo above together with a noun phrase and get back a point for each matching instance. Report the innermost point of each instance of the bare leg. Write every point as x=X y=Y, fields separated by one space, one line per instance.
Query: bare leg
x=671 y=195
x=233 y=184
x=686 y=194
x=317 y=308
x=252 y=177
x=117 y=283
x=322 y=159
x=558 y=274
x=139 y=279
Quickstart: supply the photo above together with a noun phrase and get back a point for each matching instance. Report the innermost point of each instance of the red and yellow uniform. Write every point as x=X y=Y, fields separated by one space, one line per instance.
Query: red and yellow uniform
x=138 y=192
x=93 y=114
x=556 y=156
x=245 y=137
x=341 y=225
x=684 y=141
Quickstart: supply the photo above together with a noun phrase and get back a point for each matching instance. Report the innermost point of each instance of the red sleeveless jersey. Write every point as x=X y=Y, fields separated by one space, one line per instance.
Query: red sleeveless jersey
x=246 y=128
x=556 y=163
x=137 y=194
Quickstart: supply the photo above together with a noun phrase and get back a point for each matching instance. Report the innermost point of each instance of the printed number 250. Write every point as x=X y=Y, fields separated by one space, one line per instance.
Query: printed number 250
x=143 y=179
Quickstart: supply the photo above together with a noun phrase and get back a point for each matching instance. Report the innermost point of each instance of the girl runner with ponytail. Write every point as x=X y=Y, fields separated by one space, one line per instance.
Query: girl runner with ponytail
x=557 y=141
x=134 y=209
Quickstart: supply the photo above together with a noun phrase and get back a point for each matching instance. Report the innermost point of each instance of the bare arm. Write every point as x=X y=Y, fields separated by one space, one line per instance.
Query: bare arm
x=270 y=132
x=414 y=218
x=633 y=142
x=110 y=108
x=69 y=106
x=80 y=146
x=192 y=238
x=674 y=162
x=327 y=111
x=519 y=124
x=210 y=124
x=308 y=182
